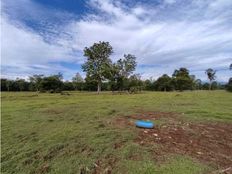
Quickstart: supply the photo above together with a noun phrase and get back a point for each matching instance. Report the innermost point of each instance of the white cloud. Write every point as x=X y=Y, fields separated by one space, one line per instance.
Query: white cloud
x=25 y=52
x=196 y=44
x=22 y=46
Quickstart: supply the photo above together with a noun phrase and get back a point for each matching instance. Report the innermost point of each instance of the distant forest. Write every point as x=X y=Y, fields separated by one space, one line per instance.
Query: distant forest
x=103 y=74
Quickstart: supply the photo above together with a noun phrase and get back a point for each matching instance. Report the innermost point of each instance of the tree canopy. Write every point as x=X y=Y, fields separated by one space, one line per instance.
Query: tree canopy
x=98 y=62
x=164 y=83
x=211 y=74
x=121 y=70
x=182 y=79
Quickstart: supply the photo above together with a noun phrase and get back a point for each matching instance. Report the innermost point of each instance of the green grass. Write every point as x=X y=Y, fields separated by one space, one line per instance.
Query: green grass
x=66 y=134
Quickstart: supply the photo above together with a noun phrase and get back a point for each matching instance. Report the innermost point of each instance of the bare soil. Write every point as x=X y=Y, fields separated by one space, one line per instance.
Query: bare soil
x=210 y=143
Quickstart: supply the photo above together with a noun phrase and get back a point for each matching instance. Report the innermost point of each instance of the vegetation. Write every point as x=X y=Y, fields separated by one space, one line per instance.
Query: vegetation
x=54 y=84
x=53 y=133
x=211 y=74
x=229 y=85
x=120 y=72
x=182 y=79
x=103 y=74
x=76 y=132
x=77 y=82
x=98 y=64
x=164 y=83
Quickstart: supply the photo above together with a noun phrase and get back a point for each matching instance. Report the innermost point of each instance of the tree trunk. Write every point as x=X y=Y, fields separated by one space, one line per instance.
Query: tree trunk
x=99 y=87
x=210 y=83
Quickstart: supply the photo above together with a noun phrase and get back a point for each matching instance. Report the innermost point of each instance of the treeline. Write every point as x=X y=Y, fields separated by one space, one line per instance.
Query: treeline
x=104 y=74
x=180 y=80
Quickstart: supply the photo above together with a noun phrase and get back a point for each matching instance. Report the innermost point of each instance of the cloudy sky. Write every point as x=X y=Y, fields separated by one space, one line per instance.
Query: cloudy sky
x=47 y=37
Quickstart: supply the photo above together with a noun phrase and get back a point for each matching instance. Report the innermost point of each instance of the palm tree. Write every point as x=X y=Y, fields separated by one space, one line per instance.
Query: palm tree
x=211 y=76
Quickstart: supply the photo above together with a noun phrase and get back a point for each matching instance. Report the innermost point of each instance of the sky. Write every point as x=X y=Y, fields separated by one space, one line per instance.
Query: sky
x=48 y=36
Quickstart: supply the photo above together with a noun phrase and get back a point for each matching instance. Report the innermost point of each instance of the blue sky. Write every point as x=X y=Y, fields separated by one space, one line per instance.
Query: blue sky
x=48 y=36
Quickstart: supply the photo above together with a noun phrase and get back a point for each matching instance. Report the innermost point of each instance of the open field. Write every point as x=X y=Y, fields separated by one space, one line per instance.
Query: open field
x=90 y=133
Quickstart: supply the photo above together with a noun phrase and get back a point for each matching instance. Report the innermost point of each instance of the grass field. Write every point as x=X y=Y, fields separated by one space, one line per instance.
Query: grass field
x=53 y=133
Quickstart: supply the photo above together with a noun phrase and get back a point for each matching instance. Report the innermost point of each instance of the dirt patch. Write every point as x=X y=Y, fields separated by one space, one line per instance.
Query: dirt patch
x=208 y=142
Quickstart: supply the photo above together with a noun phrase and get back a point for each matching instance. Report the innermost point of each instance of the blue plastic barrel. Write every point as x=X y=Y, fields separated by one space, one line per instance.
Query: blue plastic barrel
x=144 y=124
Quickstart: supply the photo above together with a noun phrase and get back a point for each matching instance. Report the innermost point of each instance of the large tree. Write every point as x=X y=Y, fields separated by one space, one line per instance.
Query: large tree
x=4 y=86
x=35 y=81
x=52 y=83
x=21 y=84
x=164 y=83
x=149 y=84
x=182 y=79
x=211 y=74
x=8 y=84
x=98 y=62
x=122 y=69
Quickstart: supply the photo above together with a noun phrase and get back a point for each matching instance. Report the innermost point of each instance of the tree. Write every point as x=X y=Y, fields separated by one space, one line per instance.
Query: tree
x=59 y=76
x=211 y=74
x=182 y=79
x=21 y=84
x=229 y=85
x=7 y=85
x=149 y=84
x=135 y=83
x=98 y=63
x=193 y=85
x=52 y=83
x=214 y=85
x=68 y=86
x=205 y=86
x=4 y=85
x=198 y=84
x=78 y=81
x=164 y=83
x=113 y=78
x=35 y=80
x=90 y=83
x=121 y=71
